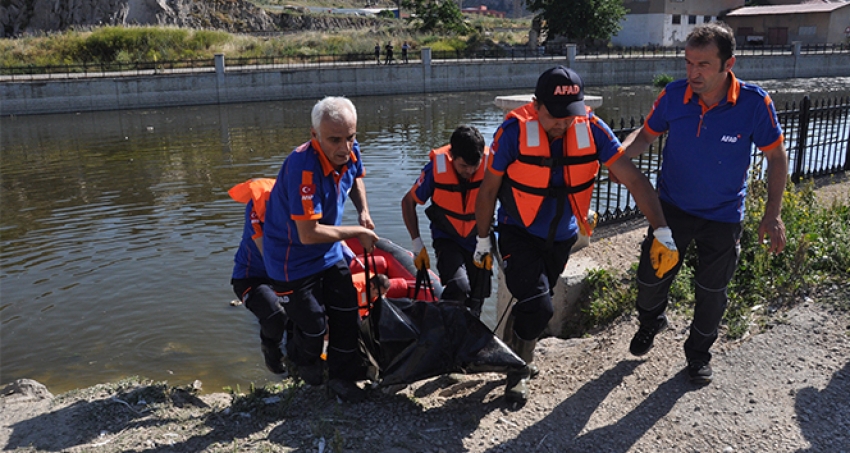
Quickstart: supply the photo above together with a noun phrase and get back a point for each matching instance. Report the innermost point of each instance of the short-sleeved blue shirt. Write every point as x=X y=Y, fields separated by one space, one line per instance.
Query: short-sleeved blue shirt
x=707 y=152
x=307 y=188
x=248 y=262
x=423 y=190
x=506 y=150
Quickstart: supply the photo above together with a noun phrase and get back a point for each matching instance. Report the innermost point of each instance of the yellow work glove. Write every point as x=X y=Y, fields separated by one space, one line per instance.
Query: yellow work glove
x=421 y=260
x=482 y=258
x=663 y=254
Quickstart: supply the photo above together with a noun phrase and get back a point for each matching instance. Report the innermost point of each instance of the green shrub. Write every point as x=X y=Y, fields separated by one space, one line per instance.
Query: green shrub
x=207 y=39
x=661 y=80
x=605 y=297
x=817 y=252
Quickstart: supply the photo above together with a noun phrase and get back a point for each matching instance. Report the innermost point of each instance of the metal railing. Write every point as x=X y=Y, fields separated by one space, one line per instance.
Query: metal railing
x=353 y=59
x=817 y=138
x=111 y=69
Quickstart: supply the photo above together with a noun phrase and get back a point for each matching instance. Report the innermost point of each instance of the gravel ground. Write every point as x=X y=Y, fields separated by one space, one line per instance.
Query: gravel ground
x=783 y=388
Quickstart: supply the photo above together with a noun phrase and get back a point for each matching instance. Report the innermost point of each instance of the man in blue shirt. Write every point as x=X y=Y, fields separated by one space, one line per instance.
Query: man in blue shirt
x=712 y=119
x=546 y=156
x=302 y=250
x=250 y=281
x=450 y=180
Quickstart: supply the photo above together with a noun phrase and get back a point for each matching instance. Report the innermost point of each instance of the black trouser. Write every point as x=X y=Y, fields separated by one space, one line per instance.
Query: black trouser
x=531 y=272
x=718 y=247
x=454 y=264
x=324 y=302
x=258 y=296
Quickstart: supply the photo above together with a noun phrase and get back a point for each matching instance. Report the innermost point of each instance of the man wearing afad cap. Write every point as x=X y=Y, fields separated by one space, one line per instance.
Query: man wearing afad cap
x=546 y=156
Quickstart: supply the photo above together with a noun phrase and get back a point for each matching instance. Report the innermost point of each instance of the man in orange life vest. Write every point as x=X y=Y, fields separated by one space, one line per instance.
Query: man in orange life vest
x=451 y=180
x=250 y=281
x=545 y=158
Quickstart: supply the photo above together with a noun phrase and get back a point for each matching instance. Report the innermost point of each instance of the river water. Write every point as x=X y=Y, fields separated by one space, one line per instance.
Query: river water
x=118 y=235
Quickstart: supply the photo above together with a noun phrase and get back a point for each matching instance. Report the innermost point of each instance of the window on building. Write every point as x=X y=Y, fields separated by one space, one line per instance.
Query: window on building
x=692 y=20
x=706 y=19
x=808 y=31
x=677 y=19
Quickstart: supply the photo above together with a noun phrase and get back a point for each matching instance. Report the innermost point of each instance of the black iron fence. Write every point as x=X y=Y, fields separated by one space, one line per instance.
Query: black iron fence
x=817 y=138
x=162 y=67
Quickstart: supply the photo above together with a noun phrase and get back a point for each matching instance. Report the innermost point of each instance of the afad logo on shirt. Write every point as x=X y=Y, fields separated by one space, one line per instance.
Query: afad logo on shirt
x=730 y=138
x=307 y=191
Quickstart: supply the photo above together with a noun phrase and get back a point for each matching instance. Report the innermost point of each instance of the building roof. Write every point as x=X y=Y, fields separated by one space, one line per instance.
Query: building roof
x=787 y=9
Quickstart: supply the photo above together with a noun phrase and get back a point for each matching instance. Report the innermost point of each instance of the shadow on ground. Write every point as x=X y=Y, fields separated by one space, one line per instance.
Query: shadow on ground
x=824 y=415
x=562 y=429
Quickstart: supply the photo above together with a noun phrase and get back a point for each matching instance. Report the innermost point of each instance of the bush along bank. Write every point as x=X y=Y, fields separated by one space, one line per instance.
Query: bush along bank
x=816 y=256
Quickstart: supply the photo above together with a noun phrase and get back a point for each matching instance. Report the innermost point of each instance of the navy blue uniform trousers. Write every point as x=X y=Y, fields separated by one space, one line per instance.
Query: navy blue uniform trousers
x=325 y=302
x=531 y=272
x=718 y=248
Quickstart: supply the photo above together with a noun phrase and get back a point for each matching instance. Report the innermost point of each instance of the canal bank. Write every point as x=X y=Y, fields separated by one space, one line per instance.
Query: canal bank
x=234 y=85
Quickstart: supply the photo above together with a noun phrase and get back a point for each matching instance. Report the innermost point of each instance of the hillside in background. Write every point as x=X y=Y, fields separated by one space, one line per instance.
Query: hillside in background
x=20 y=17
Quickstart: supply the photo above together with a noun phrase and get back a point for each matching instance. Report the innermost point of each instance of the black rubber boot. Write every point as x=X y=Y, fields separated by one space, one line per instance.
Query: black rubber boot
x=516 y=387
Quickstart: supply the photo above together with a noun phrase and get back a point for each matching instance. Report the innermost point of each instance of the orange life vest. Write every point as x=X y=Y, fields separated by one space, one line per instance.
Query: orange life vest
x=527 y=179
x=453 y=202
x=258 y=191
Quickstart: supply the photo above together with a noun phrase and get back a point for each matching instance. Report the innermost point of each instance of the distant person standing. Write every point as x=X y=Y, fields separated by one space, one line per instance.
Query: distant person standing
x=389 y=50
x=378 y=53
x=404 y=48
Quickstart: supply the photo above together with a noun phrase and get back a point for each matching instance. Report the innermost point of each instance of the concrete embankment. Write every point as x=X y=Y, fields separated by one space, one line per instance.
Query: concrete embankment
x=231 y=85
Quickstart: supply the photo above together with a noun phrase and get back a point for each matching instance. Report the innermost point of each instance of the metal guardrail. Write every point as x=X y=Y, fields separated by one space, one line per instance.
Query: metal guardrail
x=817 y=138
x=164 y=67
x=112 y=69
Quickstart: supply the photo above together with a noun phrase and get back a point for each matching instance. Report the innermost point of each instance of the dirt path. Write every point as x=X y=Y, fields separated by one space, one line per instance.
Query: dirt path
x=786 y=389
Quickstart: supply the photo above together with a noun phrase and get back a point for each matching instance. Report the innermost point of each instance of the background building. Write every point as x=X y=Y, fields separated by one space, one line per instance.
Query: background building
x=667 y=22
x=809 y=23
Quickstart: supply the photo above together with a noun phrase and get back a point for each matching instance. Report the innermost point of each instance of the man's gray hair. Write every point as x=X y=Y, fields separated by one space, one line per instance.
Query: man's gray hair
x=337 y=108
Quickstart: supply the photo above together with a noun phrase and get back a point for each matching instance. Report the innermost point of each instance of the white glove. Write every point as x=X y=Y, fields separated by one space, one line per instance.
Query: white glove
x=663 y=254
x=420 y=255
x=482 y=257
x=417 y=245
x=664 y=235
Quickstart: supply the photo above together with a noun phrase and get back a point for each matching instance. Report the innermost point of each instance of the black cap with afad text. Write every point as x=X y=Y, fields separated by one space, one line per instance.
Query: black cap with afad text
x=561 y=90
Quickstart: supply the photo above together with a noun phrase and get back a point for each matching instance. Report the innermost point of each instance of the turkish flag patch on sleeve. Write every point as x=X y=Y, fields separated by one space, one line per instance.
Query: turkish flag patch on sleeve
x=307 y=190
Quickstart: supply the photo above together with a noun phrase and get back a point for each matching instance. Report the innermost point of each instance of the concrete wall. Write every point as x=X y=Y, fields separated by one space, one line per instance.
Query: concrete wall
x=221 y=87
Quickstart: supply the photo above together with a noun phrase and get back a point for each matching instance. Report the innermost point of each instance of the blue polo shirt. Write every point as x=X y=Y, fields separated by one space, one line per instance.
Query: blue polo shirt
x=248 y=262
x=505 y=151
x=423 y=190
x=706 y=155
x=307 y=188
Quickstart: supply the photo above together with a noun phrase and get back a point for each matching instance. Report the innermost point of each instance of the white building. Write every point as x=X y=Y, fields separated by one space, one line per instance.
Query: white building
x=667 y=22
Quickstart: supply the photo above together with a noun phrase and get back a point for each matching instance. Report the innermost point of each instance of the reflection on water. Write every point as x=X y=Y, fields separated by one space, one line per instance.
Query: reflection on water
x=118 y=234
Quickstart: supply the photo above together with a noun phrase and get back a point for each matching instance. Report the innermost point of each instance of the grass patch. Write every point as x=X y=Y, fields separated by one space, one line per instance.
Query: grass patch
x=816 y=258
x=112 y=44
x=268 y=402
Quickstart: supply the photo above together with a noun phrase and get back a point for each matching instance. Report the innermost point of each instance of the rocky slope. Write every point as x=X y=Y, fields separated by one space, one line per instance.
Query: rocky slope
x=19 y=17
